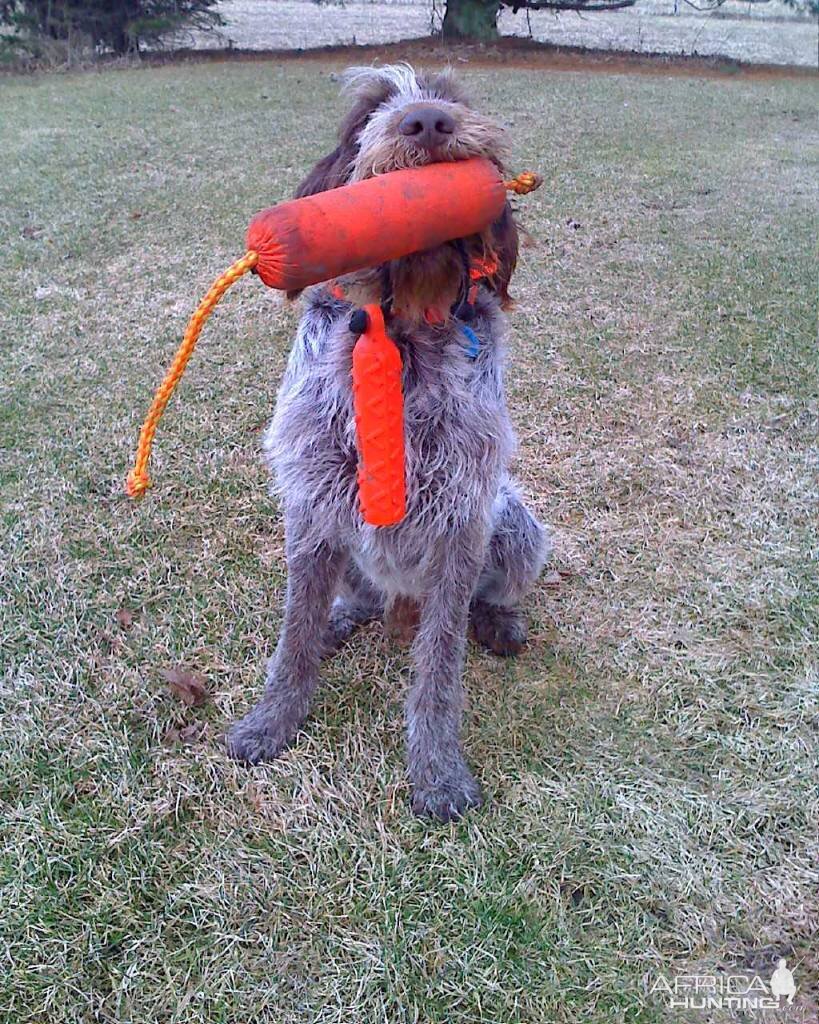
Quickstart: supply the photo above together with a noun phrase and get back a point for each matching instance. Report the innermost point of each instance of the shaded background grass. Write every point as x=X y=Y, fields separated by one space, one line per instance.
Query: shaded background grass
x=650 y=762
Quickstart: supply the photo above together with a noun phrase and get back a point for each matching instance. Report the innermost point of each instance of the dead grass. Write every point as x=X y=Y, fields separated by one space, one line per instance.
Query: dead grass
x=650 y=761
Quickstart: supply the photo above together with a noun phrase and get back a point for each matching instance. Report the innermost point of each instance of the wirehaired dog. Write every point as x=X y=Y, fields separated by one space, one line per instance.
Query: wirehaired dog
x=468 y=550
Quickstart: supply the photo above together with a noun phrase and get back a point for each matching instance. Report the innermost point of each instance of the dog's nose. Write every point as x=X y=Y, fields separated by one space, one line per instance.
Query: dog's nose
x=427 y=127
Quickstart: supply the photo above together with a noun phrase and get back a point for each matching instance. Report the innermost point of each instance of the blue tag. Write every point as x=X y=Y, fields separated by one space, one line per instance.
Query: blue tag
x=474 y=341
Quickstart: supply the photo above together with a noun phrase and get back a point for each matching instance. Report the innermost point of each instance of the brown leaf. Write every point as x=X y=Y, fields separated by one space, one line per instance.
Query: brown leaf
x=189 y=687
x=193 y=733
x=255 y=797
x=136 y=215
x=125 y=618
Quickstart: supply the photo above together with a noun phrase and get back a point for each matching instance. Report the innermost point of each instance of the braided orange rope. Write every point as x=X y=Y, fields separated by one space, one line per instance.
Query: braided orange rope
x=138 y=480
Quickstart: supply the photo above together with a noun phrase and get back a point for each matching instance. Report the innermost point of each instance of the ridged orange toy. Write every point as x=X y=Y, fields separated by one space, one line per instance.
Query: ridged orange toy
x=378 y=401
x=321 y=237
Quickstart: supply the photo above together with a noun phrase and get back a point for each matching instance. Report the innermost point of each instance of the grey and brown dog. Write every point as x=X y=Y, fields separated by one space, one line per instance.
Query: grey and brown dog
x=468 y=550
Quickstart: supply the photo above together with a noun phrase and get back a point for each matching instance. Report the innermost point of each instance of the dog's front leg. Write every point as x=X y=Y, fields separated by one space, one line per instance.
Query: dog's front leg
x=312 y=574
x=442 y=785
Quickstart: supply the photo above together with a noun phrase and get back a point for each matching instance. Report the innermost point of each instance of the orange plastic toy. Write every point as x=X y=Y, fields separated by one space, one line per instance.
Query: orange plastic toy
x=318 y=238
x=378 y=400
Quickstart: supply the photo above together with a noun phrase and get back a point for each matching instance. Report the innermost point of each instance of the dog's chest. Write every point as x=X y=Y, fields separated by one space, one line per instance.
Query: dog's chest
x=456 y=430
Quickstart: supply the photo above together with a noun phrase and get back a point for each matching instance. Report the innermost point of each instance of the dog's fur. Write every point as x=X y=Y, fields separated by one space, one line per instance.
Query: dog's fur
x=468 y=550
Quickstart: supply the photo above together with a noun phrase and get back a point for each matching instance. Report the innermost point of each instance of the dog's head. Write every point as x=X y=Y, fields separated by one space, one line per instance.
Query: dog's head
x=400 y=118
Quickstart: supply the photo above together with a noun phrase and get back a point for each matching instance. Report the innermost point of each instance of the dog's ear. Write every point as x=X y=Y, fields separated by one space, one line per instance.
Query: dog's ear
x=369 y=87
x=505 y=245
x=330 y=172
x=333 y=170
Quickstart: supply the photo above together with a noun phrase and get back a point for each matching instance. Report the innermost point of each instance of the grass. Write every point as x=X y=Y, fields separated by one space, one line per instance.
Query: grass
x=650 y=762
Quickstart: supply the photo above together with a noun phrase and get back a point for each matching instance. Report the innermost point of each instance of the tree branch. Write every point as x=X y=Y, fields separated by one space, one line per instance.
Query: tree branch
x=568 y=5
x=708 y=7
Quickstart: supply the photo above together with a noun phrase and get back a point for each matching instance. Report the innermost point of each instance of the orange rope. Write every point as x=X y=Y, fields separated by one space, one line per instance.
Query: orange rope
x=524 y=183
x=138 y=480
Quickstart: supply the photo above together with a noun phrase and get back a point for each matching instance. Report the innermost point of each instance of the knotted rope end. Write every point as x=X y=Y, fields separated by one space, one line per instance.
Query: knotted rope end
x=137 y=484
x=524 y=183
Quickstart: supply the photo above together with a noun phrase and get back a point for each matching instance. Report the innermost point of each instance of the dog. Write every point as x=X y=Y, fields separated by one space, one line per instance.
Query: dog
x=468 y=549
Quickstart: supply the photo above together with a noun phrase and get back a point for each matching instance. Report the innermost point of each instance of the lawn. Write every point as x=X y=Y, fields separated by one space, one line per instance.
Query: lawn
x=650 y=762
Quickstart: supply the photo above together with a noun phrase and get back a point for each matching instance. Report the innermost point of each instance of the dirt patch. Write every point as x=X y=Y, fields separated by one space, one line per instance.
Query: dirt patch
x=509 y=52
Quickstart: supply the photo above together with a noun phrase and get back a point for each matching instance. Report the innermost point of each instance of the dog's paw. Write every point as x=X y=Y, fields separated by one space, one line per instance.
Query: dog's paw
x=448 y=798
x=501 y=630
x=260 y=736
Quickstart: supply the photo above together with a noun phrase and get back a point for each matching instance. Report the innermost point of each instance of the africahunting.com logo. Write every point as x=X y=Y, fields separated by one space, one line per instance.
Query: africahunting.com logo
x=747 y=992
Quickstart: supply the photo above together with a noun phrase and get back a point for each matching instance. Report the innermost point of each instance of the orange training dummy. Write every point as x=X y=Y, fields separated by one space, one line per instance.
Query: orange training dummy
x=321 y=237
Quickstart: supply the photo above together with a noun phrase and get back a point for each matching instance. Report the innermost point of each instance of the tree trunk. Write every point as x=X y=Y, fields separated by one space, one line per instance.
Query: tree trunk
x=471 y=19
x=120 y=41
x=112 y=24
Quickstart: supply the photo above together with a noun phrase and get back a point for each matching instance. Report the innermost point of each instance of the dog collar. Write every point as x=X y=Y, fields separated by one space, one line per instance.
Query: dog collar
x=473 y=342
x=480 y=269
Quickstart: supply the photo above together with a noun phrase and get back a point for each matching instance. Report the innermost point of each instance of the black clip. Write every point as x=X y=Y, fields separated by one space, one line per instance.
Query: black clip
x=359 y=322
x=464 y=311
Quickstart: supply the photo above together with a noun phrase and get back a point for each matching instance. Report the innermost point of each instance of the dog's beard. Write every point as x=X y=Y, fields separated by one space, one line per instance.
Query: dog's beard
x=425 y=282
x=385 y=155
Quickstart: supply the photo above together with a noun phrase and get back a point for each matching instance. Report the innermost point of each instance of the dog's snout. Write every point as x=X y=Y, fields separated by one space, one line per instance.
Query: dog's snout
x=427 y=127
